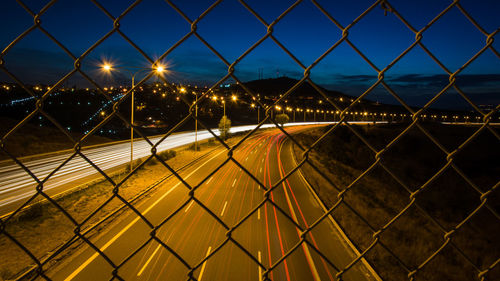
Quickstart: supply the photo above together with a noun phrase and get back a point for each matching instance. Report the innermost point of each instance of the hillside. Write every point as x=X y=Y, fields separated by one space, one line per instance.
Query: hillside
x=378 y=198
x=31 y=139
x=273 y=87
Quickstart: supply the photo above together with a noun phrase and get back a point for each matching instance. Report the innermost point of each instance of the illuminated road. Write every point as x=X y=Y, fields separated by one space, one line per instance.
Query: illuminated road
x=16 y=185
x=193 y=233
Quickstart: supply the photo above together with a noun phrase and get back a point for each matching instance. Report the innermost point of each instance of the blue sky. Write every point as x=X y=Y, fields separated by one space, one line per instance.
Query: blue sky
x=231 y=29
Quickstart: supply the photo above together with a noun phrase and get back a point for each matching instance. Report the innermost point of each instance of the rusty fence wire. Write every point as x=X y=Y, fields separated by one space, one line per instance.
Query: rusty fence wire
x=480 y=271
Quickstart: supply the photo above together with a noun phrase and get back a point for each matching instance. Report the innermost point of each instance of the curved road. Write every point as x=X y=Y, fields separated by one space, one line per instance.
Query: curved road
x=198 y=227
x=17 y=185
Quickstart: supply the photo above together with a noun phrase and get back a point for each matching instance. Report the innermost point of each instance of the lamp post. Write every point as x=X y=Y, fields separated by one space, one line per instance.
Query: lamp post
x=196 y=122
x=158 y=70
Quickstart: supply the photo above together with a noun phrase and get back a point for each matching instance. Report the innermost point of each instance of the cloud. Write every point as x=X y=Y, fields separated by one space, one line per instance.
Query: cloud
x=440 y=80
x=356 y=78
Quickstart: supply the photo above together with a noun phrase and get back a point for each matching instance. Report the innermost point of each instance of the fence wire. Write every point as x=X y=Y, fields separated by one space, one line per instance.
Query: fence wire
x=80 y=232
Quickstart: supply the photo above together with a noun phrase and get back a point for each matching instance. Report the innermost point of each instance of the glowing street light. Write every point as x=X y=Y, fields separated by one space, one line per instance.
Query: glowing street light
x=106 y=67
x=158 y=69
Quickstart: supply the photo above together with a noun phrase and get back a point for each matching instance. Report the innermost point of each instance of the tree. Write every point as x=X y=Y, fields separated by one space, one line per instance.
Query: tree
x=282 y=119
x=224 y=126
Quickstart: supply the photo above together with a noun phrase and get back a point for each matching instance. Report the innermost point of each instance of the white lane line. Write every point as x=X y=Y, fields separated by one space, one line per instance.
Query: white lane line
x=210 y=179
x=234 y=182
x=204 y=264
x=261 y=169
x=258 y=213
x=223 y=209
x=189 y=206
x=112 y=240
x=246 y=159
x=260 y=268
x=151 y=257
x=149 y=260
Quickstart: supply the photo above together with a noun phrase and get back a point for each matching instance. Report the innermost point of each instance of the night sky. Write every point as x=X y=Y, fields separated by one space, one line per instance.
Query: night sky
x=231 y=29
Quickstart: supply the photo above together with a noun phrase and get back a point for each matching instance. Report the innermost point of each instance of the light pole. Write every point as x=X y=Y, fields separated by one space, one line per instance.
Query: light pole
x=158 y=70
x=196 y=122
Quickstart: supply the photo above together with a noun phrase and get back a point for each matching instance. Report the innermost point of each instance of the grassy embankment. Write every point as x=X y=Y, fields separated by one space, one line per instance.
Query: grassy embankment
x=378 y=198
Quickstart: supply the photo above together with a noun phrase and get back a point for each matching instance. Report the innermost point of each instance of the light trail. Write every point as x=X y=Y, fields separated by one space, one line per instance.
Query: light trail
x=17 y=184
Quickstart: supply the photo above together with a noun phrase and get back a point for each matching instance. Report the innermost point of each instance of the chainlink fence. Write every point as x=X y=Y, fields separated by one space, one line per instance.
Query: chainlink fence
x=481 y=269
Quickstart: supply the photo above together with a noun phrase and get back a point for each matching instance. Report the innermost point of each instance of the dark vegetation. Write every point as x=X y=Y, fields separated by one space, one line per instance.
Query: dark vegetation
x=441 y=206
x=31 y=139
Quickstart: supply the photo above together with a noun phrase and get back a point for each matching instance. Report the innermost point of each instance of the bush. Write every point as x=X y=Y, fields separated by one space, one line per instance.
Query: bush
x=224 y=126
x=167 y=154
x=32 y=212
x=192 y=147
x=282 y=119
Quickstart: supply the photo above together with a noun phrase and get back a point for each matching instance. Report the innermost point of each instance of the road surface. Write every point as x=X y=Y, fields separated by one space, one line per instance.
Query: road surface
x=260 y=233
x=17 y=185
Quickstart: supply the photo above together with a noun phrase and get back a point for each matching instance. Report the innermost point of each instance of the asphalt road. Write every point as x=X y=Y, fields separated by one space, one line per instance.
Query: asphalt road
x=60 y=172
x=196 y=229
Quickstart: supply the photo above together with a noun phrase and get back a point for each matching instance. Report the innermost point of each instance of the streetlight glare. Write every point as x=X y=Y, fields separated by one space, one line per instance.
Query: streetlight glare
x=107 y=67
x=160 y=69
x=234 y=98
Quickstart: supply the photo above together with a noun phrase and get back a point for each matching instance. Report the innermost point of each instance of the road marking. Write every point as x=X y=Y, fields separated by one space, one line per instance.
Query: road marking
x=246 y=159
x=234 y=182
x=189 y=206
x=149 y=260
x=223 y=209
x=258 y=215
x=307 y=253
x=114 y=238
x=261 y=169
x=204 y=264
x=260 y=268
x=209 y=180
x=334 y=225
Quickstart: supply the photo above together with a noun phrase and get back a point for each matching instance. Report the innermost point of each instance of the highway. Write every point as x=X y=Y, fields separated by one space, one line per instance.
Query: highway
x=235 y=202
x=17 y=185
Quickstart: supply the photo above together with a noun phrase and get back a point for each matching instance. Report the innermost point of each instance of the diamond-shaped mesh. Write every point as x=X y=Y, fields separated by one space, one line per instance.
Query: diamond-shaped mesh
x=304 y=241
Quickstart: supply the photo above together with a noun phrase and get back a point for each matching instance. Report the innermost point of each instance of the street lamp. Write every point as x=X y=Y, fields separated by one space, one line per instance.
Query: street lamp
x=158 y=69
x=195 y=121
